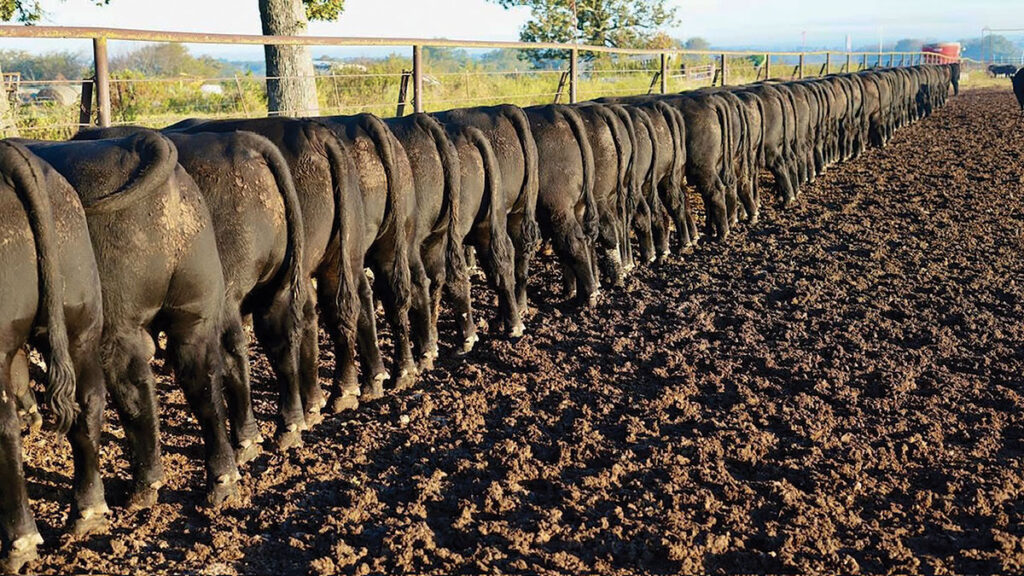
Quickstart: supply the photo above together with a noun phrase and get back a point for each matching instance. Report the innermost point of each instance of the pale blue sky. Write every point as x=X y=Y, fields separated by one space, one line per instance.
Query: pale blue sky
x=751 y=23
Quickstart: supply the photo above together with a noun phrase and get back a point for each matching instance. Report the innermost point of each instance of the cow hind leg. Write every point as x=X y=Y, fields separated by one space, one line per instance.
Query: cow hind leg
x=245 y=434
x=126 y=353
x=500 y=274
x=28 y=409
x=20 y=537
x=421 y=325
x=89 y=509
x=394 y=295
x=573 y=249
x=195 y=354
x=282 y=340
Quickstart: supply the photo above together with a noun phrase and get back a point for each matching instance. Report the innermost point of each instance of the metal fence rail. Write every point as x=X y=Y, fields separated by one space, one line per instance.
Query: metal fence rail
x=721 y=66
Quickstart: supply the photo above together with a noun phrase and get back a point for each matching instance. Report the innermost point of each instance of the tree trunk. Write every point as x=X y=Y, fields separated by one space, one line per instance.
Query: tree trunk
x=291 y=86
x=8 y=128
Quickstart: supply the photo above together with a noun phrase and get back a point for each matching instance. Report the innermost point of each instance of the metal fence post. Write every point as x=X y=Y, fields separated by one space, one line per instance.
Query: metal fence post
x=574 y=57
x=864 y=61
x=800 y=74
x=664 y=73
x=724 y=72
x=849 y=62
x=767 y=65
x=891 y=56
x=417 y=78
x=99 y=54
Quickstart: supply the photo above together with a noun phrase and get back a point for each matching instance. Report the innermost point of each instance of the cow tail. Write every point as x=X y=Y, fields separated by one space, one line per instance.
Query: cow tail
x=674 y=120
x=347 y=299
x=394 y=216
x=455 y=260
x=653 y=202
x=18 y=164
x=590 y=215
x=631 y=170
x=161 y=158
x=501 y=244
x=530 y=230
x=293 y=220
x=625 y=177
x=728 y=170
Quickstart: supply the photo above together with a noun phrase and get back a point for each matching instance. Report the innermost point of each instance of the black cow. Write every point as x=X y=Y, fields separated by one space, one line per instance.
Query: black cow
x=389 y=197
x=159 y=268
x=1005 y=70
x=507 y=130
x=459 y=199
x=260 y=239
x=1018 y=88
x=566 y=209
x=52 y=299
x=327 y=184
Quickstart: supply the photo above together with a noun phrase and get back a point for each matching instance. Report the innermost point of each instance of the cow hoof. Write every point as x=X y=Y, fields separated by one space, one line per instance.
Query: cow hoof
x=406 y=379
x=290 y=437
x=223 y=490
x=31 y=419
x=145 y=498
x=375 y=391
x=427 y=362
x=593 y=298
x=313 y=417
x=23 y=551
x=92 y=520
x=248 y=450
x=468 y=343
x=517 y=331
x=344 y=402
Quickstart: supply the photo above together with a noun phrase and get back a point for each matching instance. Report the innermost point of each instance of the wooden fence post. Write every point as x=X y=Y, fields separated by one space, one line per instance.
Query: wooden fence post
x=849 y=63
x=664 y=73
x=800 y=74
x=99 y=53
x=417 y=78
x=724 y=71
x=828 y=63
x=85 y=108
x=574 y=56
x=767 y=65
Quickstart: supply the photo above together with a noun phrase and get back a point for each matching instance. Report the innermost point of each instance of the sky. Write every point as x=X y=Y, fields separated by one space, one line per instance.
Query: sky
x=726 y=23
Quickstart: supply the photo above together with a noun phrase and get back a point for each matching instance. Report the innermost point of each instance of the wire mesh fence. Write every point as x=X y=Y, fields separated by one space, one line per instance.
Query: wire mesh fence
x=449 y=74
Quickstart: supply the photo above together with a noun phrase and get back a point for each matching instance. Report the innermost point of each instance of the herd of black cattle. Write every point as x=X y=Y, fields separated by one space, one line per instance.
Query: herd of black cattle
x=122 y=234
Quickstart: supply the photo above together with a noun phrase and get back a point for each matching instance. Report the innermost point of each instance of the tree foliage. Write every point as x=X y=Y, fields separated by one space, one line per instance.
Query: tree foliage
x=909 y=45
x=992 y=47
x=614 y=23
x=163 y=60
x=324 y=9
x=48 y=66
x=29 y=12
x=697 y=43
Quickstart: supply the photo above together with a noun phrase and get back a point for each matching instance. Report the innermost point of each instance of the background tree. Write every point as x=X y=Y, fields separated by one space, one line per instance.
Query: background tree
x=993 y=47
x=27 y=11
x=909 y=45
x=615 y=23
x=697 y=43
x=291 y=81
x=48 y=66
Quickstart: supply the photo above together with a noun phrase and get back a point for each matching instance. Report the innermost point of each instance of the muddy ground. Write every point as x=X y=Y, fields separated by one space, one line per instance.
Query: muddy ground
x=838 y=389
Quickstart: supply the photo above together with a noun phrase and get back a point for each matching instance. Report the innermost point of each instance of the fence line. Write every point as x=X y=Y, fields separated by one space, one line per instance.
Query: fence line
x=720 y=67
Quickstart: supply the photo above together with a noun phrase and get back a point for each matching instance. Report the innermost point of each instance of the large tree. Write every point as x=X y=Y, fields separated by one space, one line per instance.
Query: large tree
x=27 y=11
x=615 y=23
x=991 y=47
x=291 y=82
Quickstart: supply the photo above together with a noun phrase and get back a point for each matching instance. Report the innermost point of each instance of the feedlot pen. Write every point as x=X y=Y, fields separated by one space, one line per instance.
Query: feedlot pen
x=836 y=389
